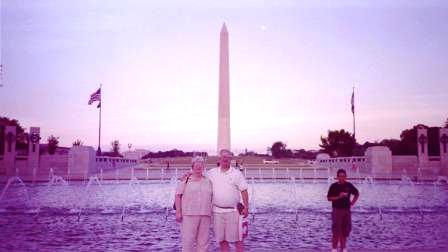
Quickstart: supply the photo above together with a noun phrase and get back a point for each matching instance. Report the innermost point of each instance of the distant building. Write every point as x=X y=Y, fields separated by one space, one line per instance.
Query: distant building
x=135 y=154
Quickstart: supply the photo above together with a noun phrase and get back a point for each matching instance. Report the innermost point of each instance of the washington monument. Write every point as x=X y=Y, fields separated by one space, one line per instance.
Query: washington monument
x=224 y=93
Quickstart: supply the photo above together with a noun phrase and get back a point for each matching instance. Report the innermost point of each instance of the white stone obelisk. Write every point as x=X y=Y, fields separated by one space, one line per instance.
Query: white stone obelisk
x=224 y=92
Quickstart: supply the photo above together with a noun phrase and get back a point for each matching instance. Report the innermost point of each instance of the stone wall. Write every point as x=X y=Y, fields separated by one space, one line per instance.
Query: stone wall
x=404 y=164
x=59 y=164
x=112 y=163
x=350 y=164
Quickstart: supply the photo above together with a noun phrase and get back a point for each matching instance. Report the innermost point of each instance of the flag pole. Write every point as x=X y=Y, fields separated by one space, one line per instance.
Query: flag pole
x=98 y=153
x=353 y=112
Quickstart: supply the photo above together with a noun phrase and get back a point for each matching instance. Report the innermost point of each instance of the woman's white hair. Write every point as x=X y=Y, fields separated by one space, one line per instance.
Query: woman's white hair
x=197 y=159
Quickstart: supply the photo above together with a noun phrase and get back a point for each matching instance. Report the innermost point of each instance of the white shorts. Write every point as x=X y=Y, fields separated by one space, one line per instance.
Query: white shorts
x=226 y=226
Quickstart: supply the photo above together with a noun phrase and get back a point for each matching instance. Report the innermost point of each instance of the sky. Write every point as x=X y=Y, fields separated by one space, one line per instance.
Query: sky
x=293 y=65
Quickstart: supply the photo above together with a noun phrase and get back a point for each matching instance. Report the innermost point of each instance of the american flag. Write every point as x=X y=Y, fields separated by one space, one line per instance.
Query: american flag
x=353 y=101
x=95 y=96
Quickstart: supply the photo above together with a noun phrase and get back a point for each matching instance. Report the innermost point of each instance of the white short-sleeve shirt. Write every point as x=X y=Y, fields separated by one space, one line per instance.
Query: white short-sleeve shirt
x=227 y=187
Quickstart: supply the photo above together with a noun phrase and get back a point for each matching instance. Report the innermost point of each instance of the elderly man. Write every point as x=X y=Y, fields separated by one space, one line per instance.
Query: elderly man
x=229 y=187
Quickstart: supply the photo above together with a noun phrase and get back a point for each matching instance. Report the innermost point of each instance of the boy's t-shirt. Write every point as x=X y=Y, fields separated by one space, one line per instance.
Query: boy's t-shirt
x=334 y=191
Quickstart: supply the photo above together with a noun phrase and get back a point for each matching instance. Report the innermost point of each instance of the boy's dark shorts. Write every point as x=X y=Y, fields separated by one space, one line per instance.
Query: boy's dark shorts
x=341 y=222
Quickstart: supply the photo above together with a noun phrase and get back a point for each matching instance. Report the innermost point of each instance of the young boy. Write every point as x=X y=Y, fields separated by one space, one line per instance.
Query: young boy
x=339 y=194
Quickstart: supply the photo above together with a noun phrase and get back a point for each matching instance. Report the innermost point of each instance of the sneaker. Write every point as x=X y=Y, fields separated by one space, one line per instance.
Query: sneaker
x=334 y=250
x=344 y=250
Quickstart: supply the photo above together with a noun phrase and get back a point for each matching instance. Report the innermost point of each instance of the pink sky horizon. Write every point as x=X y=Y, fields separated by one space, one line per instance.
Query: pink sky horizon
x=292 y=69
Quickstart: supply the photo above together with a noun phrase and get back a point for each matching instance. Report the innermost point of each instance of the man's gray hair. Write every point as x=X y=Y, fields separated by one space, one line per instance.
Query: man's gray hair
x=222 y=151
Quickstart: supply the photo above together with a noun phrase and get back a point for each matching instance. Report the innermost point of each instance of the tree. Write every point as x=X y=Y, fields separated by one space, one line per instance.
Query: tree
x=22 y=136
x=52 y=144
x=446 y=123
x=433 y=141
x=338 y=143
x=278 y=149
x=408 y=144
x=115 y=147
x=394 y=145
x=268 y=151
x=5 y=121
x=304 y=154
x=78 y=142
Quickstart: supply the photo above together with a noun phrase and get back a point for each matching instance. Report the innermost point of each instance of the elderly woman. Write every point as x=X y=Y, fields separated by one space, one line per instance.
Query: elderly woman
x=194 y=207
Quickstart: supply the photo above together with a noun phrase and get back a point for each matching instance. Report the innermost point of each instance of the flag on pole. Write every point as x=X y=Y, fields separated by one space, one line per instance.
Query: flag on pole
x=96 y=97
x=353 y=101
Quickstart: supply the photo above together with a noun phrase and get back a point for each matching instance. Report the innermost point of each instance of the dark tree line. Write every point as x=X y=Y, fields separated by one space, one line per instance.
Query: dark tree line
x=407 y=144
x=173 y=153
x=340 y=143
x=279 y=150
x=336 y=143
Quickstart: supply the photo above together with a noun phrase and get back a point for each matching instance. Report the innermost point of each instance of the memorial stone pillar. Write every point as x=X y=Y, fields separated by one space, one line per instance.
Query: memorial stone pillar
x=9 y=157
x=422 y=150
x=443 y=141
x=33 y=151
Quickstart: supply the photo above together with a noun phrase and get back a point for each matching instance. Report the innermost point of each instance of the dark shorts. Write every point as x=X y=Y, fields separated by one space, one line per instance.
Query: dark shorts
x=341 y=222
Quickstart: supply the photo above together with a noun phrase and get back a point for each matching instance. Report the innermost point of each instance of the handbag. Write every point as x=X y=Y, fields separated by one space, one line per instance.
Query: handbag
x=240 y=208
x=174 y=204
x=243 y=223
